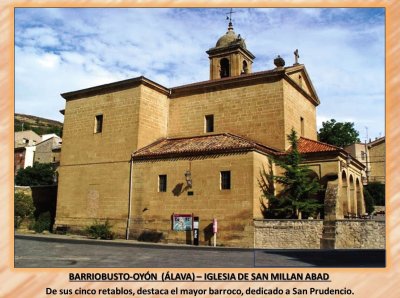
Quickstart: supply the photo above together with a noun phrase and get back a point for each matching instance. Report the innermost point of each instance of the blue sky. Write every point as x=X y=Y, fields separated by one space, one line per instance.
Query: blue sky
x=66 y=49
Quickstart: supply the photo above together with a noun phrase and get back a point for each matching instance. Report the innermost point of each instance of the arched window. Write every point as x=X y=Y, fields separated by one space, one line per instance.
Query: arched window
x=224 y=72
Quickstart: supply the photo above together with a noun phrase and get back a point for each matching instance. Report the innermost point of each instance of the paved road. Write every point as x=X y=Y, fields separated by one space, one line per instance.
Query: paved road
x=50 y=252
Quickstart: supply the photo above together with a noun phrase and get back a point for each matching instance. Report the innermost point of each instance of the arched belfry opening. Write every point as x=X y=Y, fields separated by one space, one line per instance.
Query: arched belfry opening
x=230 y=56
x=245 y=68
x=224 y=65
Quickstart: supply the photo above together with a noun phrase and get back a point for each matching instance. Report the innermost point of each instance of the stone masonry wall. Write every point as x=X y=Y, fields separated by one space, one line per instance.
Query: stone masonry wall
x=360 y=234
x=233 y=208
x=278 y=234
x=255 y=112
x=296 y=107
x=306 y=234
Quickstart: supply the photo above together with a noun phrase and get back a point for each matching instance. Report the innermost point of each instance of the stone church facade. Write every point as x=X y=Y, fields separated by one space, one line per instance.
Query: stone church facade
x=136 y=153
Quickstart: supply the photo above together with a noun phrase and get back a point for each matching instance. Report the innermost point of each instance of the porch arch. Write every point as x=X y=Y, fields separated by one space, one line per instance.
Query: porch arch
x=352 y=198
x=343 y=195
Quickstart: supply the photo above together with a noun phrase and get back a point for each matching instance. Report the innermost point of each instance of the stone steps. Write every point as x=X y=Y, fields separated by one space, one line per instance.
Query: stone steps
x=328 y=235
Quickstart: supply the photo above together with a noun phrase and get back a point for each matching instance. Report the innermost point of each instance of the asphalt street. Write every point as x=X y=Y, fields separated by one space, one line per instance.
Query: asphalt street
x=55 y=252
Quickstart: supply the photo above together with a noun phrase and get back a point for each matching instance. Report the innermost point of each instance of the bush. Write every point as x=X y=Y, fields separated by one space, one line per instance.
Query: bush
x=23 y=208
x=99 y=230
x=43 y=223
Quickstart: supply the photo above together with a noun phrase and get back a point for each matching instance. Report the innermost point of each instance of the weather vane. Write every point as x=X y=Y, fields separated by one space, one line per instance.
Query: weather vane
x=230 y=15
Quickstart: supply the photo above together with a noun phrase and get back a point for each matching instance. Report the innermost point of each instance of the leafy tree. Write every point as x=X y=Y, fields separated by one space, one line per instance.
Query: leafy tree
x=369 y=202
x=298 y=196
x=23 y=207
x=39 y=174
x=377 y=191
x=340 y=134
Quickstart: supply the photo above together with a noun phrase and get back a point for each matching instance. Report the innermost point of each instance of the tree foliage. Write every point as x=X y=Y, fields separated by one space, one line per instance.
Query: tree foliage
x=39 y=128
x=377 y=192
x=369 y=202
x=43 y=223
x=23 y=207
x=339 y=134
x=39 y=174
x=299 y=187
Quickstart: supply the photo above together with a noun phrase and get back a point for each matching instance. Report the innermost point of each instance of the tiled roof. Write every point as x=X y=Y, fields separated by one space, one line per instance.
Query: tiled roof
x=310 y=146
x=307 y=146
x=199 y=145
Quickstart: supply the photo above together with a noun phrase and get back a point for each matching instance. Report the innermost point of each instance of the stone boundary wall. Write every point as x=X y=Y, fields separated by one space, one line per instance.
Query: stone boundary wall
x=307 y=234
x=287 y=233
x=367 y=234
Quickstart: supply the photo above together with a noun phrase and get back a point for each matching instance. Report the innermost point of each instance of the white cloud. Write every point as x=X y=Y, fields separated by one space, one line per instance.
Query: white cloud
x=59 y=50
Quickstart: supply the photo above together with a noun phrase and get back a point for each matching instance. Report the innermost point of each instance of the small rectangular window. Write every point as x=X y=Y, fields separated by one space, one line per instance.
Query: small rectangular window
x=209 y=123
x=225 y=179
x=98 y=126
x=302 y=126
x=362 y=155
x=162 y=183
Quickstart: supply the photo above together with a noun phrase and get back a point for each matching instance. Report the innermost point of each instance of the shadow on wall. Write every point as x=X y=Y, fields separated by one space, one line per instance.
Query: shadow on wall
x=208 y=234
x=179 y=189
x=151 y=236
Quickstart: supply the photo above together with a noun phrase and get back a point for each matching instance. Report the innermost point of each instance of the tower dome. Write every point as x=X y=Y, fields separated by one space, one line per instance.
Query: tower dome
x=229 y=57
x=230 y=38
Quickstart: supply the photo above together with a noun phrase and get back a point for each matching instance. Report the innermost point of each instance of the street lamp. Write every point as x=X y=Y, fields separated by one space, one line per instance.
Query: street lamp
x=348 y=160
x=188 y=177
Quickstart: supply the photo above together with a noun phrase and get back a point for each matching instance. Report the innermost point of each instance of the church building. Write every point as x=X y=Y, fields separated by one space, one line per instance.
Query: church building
x=147 y=158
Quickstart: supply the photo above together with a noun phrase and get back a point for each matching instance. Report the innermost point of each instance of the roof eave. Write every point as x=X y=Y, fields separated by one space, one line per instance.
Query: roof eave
x=120 y=85
x=226 y=82
x=314 y=100
x=190 y=154
x=235 y=47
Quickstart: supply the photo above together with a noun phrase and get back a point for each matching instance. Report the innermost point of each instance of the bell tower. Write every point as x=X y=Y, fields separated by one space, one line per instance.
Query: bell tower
x=229 y=57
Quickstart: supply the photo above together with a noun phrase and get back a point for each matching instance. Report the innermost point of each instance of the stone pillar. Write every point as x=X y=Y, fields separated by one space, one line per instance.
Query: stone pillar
x=331 y=210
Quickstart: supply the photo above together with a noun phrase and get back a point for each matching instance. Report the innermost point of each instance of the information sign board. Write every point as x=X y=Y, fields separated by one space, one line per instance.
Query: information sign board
x=182 y=222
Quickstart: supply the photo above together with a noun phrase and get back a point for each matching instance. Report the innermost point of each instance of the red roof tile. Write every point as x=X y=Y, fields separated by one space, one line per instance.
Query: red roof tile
x=310 y=146
x=199 y=145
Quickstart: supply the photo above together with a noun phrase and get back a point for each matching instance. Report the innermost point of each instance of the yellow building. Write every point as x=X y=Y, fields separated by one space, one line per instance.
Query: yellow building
x=377 y=150
x=138 y=153
x=372 y=156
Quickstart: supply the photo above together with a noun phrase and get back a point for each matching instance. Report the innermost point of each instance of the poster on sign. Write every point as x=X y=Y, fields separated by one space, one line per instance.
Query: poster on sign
x=182 y=222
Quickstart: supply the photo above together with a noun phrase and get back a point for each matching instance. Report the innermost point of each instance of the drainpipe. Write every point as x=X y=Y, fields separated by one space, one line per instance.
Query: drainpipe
x=128 y=222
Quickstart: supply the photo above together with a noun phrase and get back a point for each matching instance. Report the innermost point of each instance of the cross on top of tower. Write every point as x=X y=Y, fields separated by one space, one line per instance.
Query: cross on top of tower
x=230 y=16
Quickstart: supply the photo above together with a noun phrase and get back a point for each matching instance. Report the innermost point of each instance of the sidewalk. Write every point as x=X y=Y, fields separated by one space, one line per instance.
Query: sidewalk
x=71 y=238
